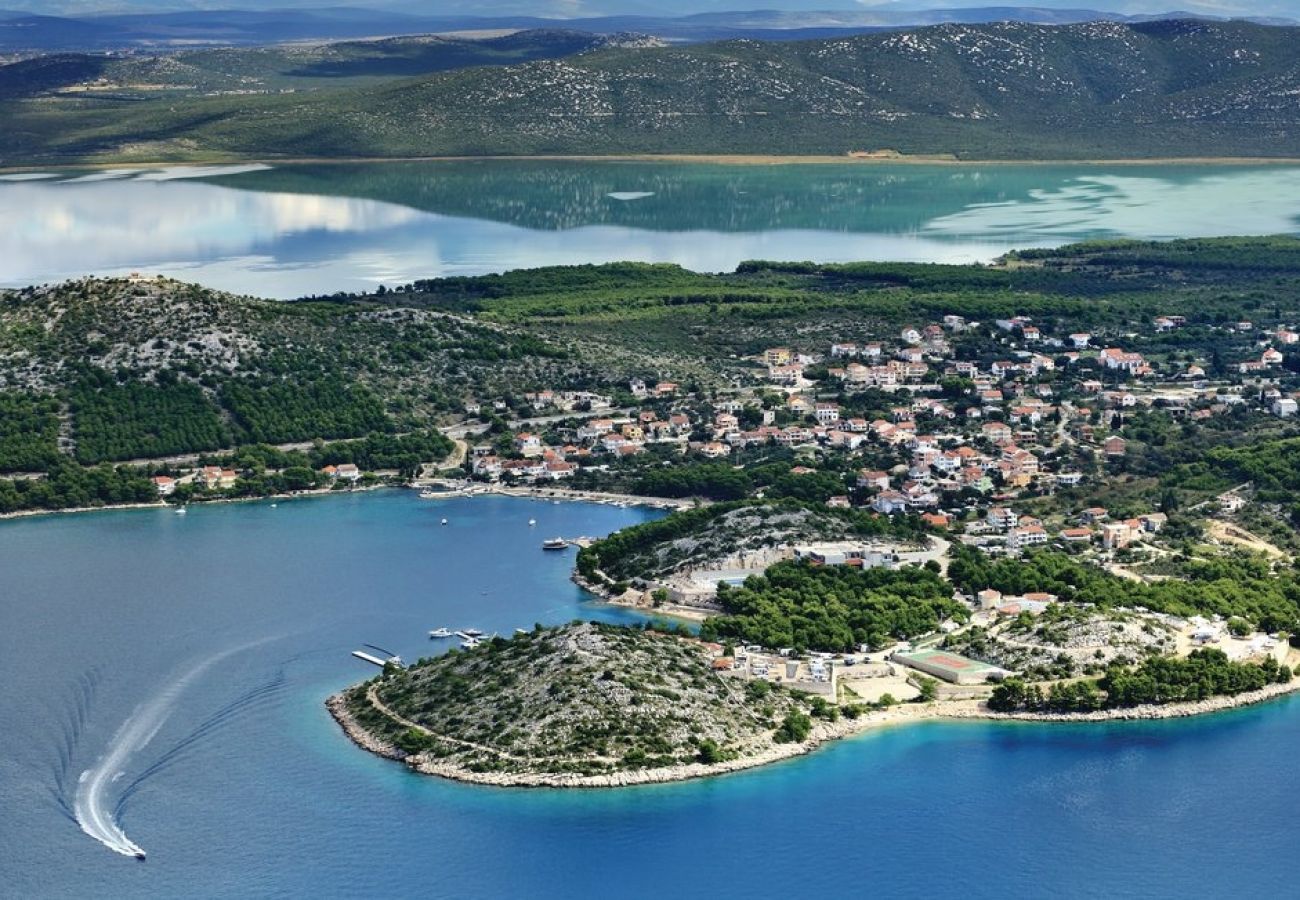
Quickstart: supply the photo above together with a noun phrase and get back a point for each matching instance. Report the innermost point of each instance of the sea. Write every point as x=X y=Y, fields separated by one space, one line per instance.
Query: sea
x=164 y=678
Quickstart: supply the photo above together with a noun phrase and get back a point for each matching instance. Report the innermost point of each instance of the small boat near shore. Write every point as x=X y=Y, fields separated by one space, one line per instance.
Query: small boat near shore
x=555 y=544
x=440 y=633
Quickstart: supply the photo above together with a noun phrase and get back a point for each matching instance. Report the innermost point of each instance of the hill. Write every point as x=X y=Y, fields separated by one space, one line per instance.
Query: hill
x=1098 y=90
x=583 y=704
x=281 y=68
x=705 y=537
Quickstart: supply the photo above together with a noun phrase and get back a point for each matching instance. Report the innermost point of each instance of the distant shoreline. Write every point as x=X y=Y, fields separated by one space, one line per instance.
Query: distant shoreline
x=823 y=733
x=729 y=159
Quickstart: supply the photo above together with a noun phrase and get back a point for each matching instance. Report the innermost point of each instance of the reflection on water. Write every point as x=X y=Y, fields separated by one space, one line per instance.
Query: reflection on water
x=1236 y=203
x=298 y=230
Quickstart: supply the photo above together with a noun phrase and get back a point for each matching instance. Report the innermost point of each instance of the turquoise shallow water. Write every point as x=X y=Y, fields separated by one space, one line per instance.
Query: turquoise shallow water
x=249 y=789
x=296 y=230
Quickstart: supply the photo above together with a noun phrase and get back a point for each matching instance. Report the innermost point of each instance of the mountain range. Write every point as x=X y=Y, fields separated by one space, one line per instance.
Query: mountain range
x=24 y=31
x=1009 y=90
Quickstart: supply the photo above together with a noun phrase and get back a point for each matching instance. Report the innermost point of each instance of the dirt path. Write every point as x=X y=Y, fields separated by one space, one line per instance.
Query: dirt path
x=1233 y=534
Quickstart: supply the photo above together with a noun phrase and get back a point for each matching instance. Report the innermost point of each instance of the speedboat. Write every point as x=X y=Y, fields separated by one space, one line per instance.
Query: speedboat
x=470 y=643
x=440 y=633
x=532 y=522
x=139 y=854
x=555 y=544
x=473 y=632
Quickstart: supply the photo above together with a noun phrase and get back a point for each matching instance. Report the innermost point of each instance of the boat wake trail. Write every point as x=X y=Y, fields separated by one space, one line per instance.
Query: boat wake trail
x=92 y=807
x=77 y=712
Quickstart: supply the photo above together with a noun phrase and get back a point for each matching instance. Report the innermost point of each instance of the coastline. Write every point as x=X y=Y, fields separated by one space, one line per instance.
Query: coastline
x=163 y=504
x=823 y=733
x=570 y=495
x=724 y=159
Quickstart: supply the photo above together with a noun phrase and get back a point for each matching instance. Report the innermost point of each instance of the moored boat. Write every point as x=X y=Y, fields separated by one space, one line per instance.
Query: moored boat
x=555 y=544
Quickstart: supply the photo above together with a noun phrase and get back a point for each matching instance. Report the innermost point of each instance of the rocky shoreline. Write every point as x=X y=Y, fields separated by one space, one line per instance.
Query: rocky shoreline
x=823 y=732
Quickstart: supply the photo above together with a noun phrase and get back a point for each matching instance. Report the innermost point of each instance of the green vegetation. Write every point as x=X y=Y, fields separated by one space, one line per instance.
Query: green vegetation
x=29 y=433
x=1226 y=586
x=1158 y=679
x=832 y=608
x=978 y=91
x=135 y=419
x=708 y=533
x=279 y=411
x=582 y=699
x=69 y=486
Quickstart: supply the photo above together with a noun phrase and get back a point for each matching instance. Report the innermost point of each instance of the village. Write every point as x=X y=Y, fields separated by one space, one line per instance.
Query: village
x=956 y=440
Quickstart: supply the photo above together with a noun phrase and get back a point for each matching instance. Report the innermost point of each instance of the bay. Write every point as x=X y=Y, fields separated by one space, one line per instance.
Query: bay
x=248 y=788
x=294 y=230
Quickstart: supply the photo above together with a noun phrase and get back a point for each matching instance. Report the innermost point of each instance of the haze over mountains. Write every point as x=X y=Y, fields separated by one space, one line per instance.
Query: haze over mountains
x=59 y=26
x=587 y=8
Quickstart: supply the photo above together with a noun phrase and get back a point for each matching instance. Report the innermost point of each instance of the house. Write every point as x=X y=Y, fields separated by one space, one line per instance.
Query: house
x=1002 y=518
x=665 y=389
x=1080 y=340
x=217 y=478
x=826 y=413
x=777 y=356
x=873 y=479
x=164 y=484
x=1116 y=535
x=715 y=450
x=1114 y=446
x=528 y=444
x=889 y=502
x=1284 y=408
x=558 y=469
x=997 y=432
x=1026 y=536
x=347 y=472
x=1115 y=358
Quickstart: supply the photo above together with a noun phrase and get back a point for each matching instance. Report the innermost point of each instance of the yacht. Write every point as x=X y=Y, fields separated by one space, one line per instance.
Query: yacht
x=440 y=633
x=555 y=544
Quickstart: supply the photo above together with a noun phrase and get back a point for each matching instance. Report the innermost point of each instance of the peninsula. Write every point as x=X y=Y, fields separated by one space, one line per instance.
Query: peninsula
x=592 y=705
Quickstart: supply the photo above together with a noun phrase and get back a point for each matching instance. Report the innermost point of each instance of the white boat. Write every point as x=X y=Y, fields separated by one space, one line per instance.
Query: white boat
x=473 y=632
x=532 y=522
x=180 y=510
x=555 y=544
x=440 y=633
x=469 y=644
x=139 y=854
x=444 y=521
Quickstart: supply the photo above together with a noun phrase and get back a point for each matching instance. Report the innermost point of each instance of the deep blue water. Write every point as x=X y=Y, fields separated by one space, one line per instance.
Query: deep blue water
x=250 y=790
